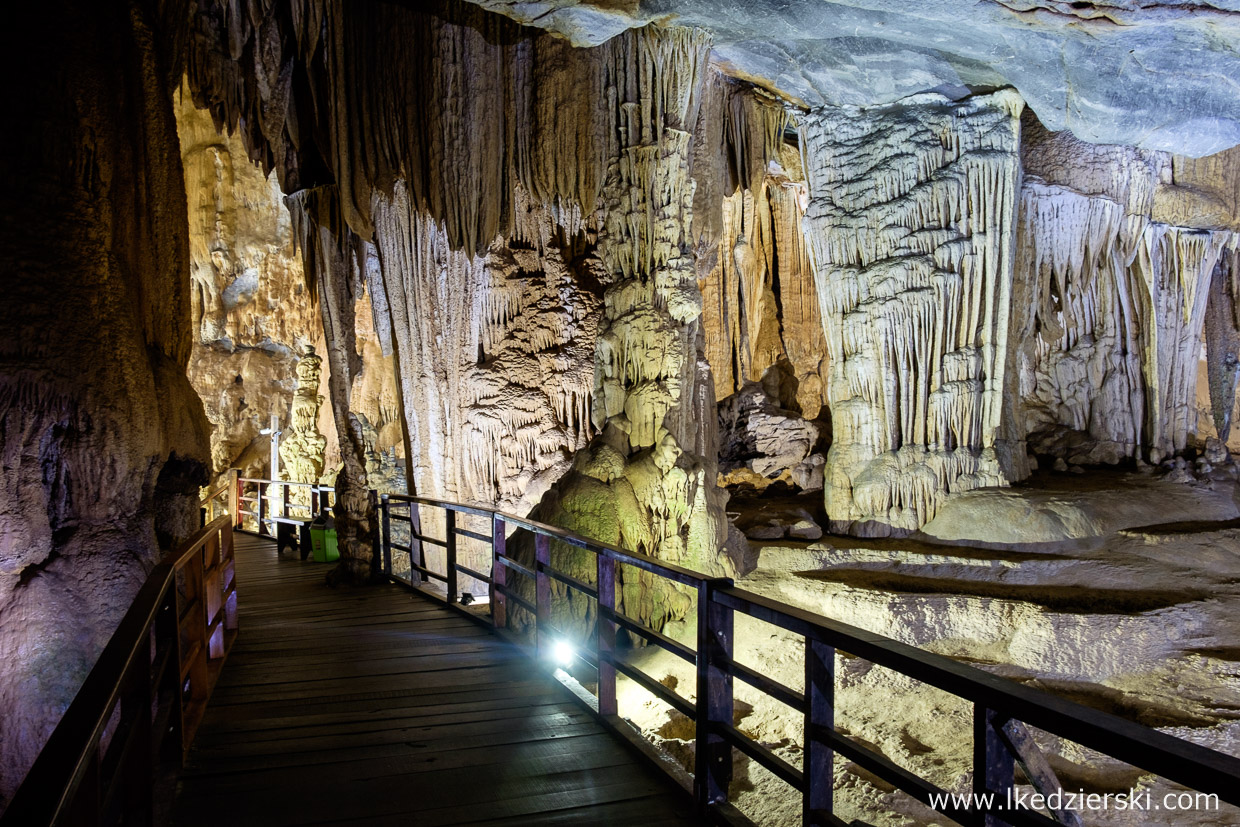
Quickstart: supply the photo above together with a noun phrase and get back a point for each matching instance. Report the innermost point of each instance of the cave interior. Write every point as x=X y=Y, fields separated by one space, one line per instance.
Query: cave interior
x=927 y=321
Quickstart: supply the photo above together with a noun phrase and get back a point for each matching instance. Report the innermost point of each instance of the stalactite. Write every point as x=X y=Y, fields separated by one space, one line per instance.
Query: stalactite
x=910 y=223
x=462 y=105
x=496 y=352
x=1222 y=329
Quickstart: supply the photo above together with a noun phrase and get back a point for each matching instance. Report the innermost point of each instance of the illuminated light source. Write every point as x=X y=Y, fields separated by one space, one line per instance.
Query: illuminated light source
x=562 y=653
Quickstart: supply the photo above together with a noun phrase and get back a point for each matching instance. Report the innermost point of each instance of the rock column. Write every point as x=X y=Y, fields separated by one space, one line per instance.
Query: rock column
x=647 y=481
x=910 y=224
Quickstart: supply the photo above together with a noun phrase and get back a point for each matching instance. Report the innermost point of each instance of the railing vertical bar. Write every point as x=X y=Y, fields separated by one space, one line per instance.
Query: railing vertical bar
x=386 y=525
x=234 y=496
x=286 y=493
x=450 y=554
x=994 y=768
x=499 y=573
x=713 y=767
x=262 y=509
x=167 y=629
x=817 y=798
x=606 y=643
x=84 y=809
x=542 y=591
x=415 y=528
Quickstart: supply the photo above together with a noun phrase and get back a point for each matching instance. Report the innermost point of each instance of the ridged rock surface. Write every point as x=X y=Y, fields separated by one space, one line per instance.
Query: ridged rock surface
x=1098 y=69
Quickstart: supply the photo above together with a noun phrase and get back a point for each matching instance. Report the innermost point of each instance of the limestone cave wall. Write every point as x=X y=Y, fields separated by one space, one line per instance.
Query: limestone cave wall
x=104 y=441
x=251 y=314
x=480 y=201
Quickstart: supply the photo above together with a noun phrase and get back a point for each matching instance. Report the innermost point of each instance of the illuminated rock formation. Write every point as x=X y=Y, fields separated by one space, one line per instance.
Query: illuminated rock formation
x=1118 y=300
x=250 y=313
x=496 y=351
x=910 y=222
x=302 y=446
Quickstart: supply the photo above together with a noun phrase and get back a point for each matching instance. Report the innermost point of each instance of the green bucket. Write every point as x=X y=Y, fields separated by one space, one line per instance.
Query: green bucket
x=323 y=544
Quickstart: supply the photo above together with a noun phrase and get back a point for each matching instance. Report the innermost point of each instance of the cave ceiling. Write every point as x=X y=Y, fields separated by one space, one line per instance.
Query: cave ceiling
x=1158 y=74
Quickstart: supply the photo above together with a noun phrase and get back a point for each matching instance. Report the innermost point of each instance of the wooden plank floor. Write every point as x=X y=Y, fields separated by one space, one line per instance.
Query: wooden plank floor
x=375 y=706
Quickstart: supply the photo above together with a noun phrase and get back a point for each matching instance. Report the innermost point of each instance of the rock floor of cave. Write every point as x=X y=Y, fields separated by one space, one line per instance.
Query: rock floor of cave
x=374 y=706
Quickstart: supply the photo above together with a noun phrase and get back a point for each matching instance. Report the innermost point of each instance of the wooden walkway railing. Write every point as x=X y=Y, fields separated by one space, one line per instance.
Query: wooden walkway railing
x=136 y=708
x=143 y=700
x=1001 y=708
x=251 y=498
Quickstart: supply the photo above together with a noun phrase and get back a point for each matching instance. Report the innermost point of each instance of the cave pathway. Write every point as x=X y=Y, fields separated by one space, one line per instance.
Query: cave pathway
x=373 y=706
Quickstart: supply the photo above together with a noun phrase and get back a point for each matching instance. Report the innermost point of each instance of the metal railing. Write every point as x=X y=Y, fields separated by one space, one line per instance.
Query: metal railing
x=254 y=500
x=1001 y=708
x=143 y=701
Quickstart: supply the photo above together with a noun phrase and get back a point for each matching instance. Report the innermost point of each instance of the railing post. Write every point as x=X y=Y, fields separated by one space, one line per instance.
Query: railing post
x=386 y=525
x=542 y=593
x=606 y=643
x=137 y=775
x=285 y=496
x=817 y=799
x=376 y=534
x=262 y=508
x=450 y=543
x=228 y=559
x=499 y=572
x=713 y=768
x=234 y=496
x=415 y=535
x=994 y=768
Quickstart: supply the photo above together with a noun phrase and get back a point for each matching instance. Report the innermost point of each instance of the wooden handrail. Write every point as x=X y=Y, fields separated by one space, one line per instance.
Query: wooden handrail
x=88 y=773
x=1000 y=705
x=209 y=503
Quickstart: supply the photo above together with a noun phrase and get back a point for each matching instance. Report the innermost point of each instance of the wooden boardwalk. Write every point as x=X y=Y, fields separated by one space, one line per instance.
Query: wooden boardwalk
x=375 y=706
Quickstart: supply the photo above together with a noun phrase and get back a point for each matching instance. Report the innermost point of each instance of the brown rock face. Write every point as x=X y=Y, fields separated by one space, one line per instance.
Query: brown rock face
x=103 y=440
x=251 y=314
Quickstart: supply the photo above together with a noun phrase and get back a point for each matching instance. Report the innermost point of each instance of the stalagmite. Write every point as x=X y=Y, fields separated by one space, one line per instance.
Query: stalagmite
x=302 y=446
x=910 y=223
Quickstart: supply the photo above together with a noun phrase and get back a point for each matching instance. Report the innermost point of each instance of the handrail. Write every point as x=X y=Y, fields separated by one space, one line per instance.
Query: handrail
x=210 y=502
x=98 y=764
x=1001 y=707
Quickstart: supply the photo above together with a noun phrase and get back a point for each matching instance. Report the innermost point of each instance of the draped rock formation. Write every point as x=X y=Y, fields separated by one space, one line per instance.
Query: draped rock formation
x=497 y=350
x=1114 y=299
x=447 y=129
x=910 y=223
x=646 y=482
x=103 y=440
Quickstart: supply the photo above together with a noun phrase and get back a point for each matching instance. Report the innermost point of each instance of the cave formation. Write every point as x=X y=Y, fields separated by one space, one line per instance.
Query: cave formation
x=923 y=321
